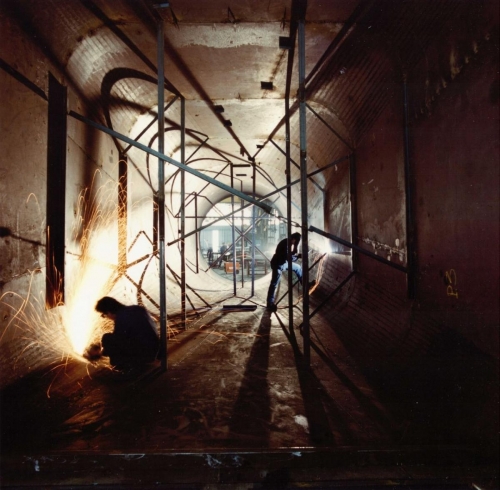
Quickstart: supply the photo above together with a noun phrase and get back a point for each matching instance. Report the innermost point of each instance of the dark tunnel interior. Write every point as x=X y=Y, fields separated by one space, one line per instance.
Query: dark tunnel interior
x=159 y=153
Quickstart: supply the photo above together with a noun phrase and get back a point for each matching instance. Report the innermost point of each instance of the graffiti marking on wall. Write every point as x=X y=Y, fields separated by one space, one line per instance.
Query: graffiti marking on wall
x=451 y=283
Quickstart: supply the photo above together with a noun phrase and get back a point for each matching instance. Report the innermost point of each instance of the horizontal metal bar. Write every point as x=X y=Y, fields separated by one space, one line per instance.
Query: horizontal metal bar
x=332 y=294
x=25 y=81
x=330 y=128
x=242 y=235
x=335 y=162
x=272 y=193
x=227 y=216
x=291 y=159
x=192 y=171
x=239 y=307
x=138 y=137
x=297 y=281
x=358 y=249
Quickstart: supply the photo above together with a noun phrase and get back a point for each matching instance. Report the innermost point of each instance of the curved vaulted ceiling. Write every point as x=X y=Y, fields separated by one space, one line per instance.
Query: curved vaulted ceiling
x=221 y=54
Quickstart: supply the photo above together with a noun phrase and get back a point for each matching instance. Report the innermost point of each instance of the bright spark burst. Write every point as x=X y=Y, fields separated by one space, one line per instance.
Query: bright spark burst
x=66 y=330
x=97 y=268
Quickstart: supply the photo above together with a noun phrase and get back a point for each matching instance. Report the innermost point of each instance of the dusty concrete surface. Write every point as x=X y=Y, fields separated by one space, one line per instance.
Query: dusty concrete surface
x=237 y=405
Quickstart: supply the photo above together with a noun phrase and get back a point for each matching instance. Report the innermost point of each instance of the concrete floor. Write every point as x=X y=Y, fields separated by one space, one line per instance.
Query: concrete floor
x=237 y=408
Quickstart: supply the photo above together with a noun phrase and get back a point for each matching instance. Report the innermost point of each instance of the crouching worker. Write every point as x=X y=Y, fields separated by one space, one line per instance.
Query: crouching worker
x=134 y=341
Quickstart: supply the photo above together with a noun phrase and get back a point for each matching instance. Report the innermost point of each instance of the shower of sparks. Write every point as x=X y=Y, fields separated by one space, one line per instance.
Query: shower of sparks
x=39 y=326
x=97 y=268
x=320 y=259
x=65 y=331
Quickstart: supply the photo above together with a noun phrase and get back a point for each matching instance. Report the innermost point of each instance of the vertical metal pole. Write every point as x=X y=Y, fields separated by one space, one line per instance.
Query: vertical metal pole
x=183 y=214
x=354 y=209
x=411 y=252
x=242 y=241
x=161 y=194
x=56 y=193
x=253 y=230
x=232 y=231
x=197 y=235
x=303 y=188
x=289 y=191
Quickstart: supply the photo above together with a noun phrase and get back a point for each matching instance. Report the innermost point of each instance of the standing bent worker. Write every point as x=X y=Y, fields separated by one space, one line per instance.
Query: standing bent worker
x=279 y=263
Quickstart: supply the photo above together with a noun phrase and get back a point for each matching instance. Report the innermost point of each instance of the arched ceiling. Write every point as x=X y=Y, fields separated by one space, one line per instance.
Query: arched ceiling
x=222 y=56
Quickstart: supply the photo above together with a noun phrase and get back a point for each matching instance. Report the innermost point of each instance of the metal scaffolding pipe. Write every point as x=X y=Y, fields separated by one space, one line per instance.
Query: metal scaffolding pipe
x=330 y=128
x=359 y=249
x=150 y=124
x=201 y=145
x=303 y=185
x=410 y=218
x=288 y=173
x=183 y=214
x=353 y=193
x=165 y=158
x=232 y=233
x=197 y=237
x=297 y=165
x=161 y=193
x=276 y=191
x=254 y=178
x=242 y=258
x=332 y=294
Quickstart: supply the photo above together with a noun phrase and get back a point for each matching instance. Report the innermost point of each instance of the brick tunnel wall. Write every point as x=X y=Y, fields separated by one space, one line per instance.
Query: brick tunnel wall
x=375 y=324
x=454 y=154
x=32 y=336
x=455 y=174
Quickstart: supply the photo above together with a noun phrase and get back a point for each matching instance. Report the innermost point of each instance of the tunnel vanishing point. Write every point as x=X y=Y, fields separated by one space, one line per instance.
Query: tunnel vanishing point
x=158 y=152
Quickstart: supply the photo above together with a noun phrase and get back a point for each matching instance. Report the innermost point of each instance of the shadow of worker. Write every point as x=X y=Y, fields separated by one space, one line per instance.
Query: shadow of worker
x=251 y=417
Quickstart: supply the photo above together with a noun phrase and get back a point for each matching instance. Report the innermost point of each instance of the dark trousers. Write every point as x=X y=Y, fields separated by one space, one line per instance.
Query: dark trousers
x=276 y=276
x=125 y=352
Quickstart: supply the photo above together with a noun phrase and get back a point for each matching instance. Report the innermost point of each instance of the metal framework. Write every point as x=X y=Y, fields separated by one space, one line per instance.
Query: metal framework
x=303 y=188
x=297 y=33
x=161 y=194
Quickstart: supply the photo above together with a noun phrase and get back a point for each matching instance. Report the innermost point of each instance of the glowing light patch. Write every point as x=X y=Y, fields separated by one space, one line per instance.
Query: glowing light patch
x=80 y=317
x=93 y=275
x=91 y=271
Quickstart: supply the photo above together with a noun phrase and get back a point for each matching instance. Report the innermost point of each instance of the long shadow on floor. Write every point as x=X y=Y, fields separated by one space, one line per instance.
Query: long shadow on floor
x=315 y=399
x=364 y=401
x=252 y=411
x=450 y=395
x=23 y=406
